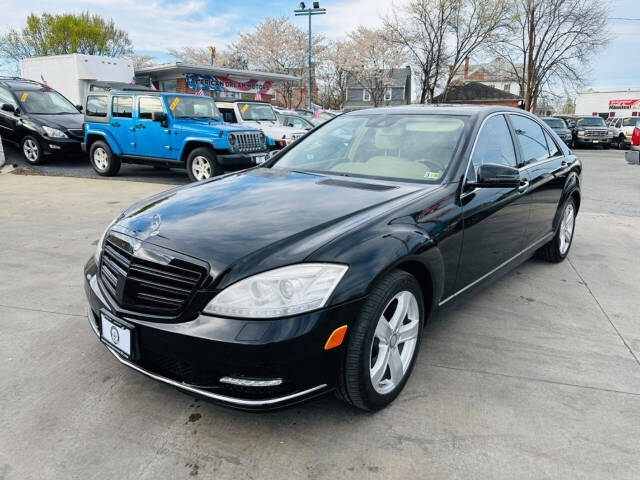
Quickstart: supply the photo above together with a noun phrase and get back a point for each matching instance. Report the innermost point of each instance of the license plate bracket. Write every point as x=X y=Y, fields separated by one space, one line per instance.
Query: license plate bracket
x=118 y=335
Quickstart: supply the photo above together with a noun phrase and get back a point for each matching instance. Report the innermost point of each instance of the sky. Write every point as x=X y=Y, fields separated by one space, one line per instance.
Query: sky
x=155 y=25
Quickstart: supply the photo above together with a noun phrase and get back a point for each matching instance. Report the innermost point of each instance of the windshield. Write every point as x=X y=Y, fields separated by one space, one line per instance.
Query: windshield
x=555 y=122
x=591 y=122
x=45 y=102
x=407 y=147
x=192 y=107
x=256 y=112
x=630 y=122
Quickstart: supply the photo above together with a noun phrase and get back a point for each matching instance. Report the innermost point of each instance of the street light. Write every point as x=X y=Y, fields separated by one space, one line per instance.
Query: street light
x=313 y=10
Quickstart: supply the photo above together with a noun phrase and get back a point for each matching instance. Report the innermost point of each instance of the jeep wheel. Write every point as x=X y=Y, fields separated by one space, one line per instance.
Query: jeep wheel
x=31 y=150
x=620 y=142
x=103 y=161
x=202 y=164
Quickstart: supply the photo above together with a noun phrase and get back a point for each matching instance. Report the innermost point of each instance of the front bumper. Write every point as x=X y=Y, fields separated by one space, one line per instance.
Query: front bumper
x=239 y=161
x=593 y=140
x=56 y=146
x=194 y=355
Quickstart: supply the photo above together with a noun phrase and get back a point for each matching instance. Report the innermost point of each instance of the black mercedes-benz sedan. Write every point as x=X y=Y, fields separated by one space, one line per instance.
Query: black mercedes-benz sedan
x=317 y=270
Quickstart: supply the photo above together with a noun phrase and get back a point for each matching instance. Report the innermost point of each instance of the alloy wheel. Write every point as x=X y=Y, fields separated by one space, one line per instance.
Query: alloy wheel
x=394 y=342
x=31 y=150
x=100 y=158
x=201 y=168
x=566 y=228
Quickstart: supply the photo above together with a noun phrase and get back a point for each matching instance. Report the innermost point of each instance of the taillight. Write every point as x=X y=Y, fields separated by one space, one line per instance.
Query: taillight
x=635 y=138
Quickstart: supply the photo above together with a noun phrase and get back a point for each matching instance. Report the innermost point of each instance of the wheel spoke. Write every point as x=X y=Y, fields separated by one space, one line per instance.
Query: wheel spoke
x=395 y=366
x=383 y=330
x=378 y=370
x=408 y=332
x=401 y=310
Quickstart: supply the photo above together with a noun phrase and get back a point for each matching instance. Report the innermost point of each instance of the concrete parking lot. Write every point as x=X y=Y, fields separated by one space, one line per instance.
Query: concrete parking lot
x=535 y=376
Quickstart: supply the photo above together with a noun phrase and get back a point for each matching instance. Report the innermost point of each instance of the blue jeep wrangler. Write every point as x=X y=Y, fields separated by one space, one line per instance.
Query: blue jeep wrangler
x=166 y=130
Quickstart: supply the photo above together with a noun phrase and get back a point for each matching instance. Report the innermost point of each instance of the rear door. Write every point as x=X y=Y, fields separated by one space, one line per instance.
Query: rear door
x=494 y=218
x=153 y=138
x=545 y=166
x=122 y=124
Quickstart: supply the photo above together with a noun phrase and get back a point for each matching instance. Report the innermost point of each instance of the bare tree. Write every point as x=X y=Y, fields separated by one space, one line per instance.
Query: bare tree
x=374 y=59
x=420 y=29
x=474 y=25
x=201 y=56
x=333 y=74
x=140 y=61
x=277 y=45
x=552 y=41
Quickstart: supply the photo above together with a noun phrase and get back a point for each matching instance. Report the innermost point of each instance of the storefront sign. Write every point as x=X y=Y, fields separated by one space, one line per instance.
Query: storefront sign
x=624 y=104
x=227 y=84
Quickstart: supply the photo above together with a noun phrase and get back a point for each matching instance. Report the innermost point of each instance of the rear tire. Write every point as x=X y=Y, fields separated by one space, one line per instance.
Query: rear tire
x=383 y=344
x=103 y=161
x=202 y=164
x=558 y=248
x=31 y=150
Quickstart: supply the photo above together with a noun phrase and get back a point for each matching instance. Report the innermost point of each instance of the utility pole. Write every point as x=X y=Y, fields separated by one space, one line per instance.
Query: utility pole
x=313 y=10
x=528 y=98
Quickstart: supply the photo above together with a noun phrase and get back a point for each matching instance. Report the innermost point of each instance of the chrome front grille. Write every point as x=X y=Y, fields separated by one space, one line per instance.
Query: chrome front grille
x=249 y=141
x=145 y=286
x=595 y=133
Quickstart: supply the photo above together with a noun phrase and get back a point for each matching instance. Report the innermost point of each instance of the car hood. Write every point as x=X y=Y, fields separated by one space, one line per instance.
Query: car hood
x=562 y=131
x=275 y=131
x=262 y=217
x=207 y=125
x=61 y=122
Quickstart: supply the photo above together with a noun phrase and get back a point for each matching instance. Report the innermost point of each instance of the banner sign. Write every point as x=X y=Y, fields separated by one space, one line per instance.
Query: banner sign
x=623 y=104
x=227 y=84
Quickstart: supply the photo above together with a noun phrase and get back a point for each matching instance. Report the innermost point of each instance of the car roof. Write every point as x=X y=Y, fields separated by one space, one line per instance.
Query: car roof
x=22 y=83
x=237 y=100
x=439 y=109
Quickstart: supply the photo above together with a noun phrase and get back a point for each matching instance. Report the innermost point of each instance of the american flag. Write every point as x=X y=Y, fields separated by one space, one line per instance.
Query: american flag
x=151 y=85
x=200 y=92
x=43 y=80
x=258 y=96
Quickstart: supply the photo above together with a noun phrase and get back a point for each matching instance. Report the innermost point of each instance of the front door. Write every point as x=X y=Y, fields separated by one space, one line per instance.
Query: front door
x=122 y=124
x=545 y=165
x=494 y=218
x=153 y=138
x=8 y=120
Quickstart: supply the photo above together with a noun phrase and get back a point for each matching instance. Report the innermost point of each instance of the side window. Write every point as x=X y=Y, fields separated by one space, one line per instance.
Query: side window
x=531 y=139
x=553 y=148
x=149 y=105
x=122 y=107
x=494 y=144
x=6 y=97
x=96 y=106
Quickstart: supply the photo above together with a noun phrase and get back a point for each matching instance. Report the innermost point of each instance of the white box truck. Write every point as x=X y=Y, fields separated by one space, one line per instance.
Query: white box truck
x=76 y=74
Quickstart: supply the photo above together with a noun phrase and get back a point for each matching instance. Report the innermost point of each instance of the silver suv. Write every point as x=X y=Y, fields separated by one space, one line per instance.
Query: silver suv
x=622 y=130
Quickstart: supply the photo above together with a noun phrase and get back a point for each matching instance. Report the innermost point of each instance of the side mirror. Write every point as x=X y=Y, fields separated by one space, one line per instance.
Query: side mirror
x=492 y=175
x=7 y=107
x=79 y=108
x=158 y=116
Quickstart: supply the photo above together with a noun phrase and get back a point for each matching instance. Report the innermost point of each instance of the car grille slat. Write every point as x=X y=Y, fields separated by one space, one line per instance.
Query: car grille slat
x=249 y=141
x=149 y=287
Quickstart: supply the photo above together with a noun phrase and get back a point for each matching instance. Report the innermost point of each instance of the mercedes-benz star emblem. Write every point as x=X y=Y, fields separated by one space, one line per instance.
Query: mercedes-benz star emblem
x=155 y=224
x=115 y=336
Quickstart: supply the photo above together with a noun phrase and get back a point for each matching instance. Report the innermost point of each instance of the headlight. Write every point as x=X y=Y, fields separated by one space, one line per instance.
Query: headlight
x=580 y=133
x=54 y=132
x=231 y=138
x=280 y=292
x=98 y=253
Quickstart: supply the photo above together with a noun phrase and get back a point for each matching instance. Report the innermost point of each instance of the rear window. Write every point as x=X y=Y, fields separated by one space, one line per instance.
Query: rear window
x=405 y=147
x=96 y=106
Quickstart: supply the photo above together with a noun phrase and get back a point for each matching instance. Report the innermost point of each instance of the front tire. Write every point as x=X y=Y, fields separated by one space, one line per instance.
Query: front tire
x=31 y=150
x=384 y=343
x=558 y=248
x=202 y=164
x=103 y=161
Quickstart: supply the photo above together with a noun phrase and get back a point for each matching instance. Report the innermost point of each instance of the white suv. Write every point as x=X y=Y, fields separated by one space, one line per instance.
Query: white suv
x=622 y=129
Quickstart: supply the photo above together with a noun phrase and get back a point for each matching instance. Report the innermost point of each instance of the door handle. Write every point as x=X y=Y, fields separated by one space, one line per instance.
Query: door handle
x=115 y=124
x=524 y=185
x=140 y=126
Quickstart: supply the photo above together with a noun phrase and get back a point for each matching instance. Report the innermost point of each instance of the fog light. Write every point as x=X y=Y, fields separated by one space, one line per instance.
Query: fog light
x=244 y=382
x=54 y=147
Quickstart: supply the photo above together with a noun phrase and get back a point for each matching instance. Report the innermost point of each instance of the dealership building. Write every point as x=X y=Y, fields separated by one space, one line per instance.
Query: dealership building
x=608 y=103
x=213 y=81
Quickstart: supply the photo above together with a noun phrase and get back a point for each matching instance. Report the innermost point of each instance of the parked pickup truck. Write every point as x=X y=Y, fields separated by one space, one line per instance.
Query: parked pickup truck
x=260 y=115
x=166 y=130
x=622 y=130
x=591 y=131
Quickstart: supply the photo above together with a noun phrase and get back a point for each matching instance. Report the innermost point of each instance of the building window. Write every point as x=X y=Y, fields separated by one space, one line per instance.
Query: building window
x=169 y=85
x=366 y=96
x=388 y=95
x=507 y=87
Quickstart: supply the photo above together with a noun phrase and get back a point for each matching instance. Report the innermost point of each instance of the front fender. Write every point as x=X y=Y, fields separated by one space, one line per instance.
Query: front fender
x=204 y=140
